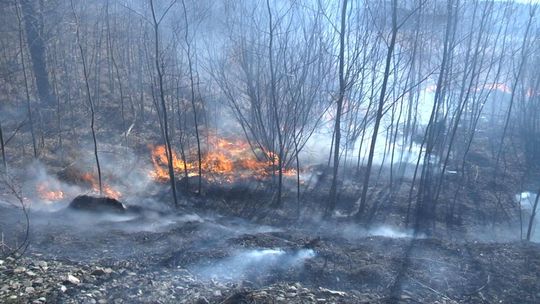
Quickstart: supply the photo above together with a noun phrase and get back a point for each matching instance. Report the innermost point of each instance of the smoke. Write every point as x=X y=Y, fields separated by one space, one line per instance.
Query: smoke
x=253 y=262
x=356 y=232
x=46 y=192
x=399 y=152
x=124 y=174
x=237 y=226
x=526 y=202
x=123 y=169
x=156 y=222
x=390 y=232
x=318 y=148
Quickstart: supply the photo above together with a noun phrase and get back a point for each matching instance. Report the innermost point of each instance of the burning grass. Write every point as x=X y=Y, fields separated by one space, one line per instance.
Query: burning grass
x=225 y=161
x=49 y=190
x=106 y=188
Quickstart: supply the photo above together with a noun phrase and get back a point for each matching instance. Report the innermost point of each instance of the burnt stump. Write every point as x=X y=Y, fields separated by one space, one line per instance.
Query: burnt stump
x=96 y=204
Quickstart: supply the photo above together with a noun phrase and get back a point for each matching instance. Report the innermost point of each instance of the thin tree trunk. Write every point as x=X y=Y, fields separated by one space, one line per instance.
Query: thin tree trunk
x=193 y=106
x=163 y=105
x=339 y=108
x=379 y=110
x=90 y=101
x=533 y=215
x=26 y=87
x=514 y=88
x=3 y=148
x=36 y=46
x=275 y=107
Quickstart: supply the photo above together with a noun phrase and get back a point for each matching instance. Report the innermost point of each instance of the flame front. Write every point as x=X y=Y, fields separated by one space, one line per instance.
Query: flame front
x=225 y=161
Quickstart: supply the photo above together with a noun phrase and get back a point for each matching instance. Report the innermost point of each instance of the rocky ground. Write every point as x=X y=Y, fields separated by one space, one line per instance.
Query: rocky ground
x=33 y=280
x=195 y=258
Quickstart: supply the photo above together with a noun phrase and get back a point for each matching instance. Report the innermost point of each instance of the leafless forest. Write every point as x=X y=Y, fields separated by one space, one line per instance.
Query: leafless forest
x=269 y=151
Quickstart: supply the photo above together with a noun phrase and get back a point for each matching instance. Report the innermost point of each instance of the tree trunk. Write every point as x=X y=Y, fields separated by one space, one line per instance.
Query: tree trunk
x=2 y=147
x=36 y=45
x=533 y=215
x=379 y=110
x=275 y=108
x=339 y=108
x=163 y=105
x=194 y=108
x=26 y=86
x=90 y=101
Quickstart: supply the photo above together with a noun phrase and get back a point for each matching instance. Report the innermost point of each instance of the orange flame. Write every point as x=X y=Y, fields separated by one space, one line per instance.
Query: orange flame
x=501 y=87
x=160 y=161
x=48 y=193
x=226 y=161
x=107 y=189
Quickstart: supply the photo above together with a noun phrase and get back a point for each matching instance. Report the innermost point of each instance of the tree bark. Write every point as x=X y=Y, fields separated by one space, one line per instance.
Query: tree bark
x=36 y=46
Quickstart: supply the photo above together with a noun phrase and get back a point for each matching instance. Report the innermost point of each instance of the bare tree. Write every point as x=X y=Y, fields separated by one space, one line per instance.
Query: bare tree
x=36 y=44
x=89 y=97
x=380 y=108
x=159 y=70
x=3 y=148
x=26 y=85
x=192 y=94
x=339 y=109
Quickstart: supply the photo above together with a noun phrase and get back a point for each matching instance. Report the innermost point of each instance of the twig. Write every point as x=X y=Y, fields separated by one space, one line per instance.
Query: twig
x=433 y=290
x=20 y=249
x=481 y=287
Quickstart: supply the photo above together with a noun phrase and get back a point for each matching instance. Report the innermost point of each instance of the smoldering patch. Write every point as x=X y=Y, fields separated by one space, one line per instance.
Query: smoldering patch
x=249 y=263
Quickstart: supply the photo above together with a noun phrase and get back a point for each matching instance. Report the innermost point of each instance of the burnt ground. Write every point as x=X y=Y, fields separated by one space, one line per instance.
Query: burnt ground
x=187 y=256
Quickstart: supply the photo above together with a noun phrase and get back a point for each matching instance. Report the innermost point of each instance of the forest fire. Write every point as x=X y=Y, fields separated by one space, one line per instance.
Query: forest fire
x=48 y=193
x=52 y=191
x=225 y=161
x=107 y=189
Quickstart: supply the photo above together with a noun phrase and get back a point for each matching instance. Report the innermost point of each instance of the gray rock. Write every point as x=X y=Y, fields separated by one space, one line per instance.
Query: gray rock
x=98 y=272
x=71 y=279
